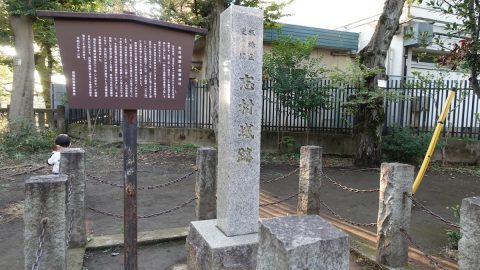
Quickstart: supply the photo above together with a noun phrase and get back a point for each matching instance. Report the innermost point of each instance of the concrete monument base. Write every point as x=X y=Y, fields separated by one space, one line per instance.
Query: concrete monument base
x=208 y=248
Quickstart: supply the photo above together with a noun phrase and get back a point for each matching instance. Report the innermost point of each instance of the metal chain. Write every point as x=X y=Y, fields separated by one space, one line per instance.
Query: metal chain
x=435 y=262
x=104 y=213
x=280 y=201
x=280 y=178
x=97 y=179
x=354 y=190
x=70 y=226
x=41 y=238
x=145 y=216
x=169 y=183
x=169 y=210
x=69 y=196
x=346 y=220
x=426 y=210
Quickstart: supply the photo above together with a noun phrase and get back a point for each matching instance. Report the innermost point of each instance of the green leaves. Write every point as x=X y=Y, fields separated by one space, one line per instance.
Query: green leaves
x=295 y=75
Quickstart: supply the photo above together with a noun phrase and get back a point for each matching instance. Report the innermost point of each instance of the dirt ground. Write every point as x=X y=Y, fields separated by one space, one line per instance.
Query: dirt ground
x=440 y=189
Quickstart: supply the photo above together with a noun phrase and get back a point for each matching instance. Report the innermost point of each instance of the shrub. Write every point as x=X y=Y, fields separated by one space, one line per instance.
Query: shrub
x=405 y=146
x=26 y=140
x=453 y=236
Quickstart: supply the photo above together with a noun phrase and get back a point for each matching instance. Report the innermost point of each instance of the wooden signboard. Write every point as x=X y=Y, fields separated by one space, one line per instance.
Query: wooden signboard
x=124 y=61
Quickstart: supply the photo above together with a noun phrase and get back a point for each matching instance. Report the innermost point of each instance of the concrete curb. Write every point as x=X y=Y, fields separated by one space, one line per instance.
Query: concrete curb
x=75 y=258
x=144 y=238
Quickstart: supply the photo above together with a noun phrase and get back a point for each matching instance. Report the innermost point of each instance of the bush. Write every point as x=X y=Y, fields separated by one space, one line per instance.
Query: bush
x=26 y=140
x=405 y=146
x=453 y=236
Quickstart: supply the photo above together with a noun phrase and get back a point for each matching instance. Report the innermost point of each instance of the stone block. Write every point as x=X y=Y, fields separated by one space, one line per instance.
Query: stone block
x=72 y=164
x=469 y=244
x=310 y=181
x=301 y=242
x=240 y=112
x=208 y=248
x=394 y=212
x=45 y=200
x=206 y=183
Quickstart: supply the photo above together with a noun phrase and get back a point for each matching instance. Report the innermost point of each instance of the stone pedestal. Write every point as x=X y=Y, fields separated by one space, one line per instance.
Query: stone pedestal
x=301 y=242
x=469 y=244
x=208 y=248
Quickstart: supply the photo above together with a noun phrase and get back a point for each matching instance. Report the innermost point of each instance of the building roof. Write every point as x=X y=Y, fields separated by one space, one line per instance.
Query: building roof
x=329 y=39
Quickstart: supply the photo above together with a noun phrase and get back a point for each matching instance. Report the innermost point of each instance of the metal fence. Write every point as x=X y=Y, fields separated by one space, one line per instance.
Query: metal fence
x=417 y=106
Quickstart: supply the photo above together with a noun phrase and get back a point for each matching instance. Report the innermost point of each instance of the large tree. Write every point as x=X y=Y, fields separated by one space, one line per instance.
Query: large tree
x=26 y=29
x=206 y=13
x=369 y=117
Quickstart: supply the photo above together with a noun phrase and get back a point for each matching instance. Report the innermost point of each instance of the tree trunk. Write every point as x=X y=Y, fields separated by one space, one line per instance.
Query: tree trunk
x=44 y=65
x=369 y=119
x=211 y=59
x=21 y=103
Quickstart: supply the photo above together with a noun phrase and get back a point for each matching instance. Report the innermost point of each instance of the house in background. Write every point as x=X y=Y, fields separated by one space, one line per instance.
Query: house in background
x=335 y=48
x=408 y=53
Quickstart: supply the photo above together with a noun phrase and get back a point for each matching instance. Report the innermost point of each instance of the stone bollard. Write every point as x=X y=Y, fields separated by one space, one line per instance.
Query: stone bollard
x=72 y=164
x=394 y=214
x=206 y=183
x=301 y=242
x=310 y=180
x=45 y=202
x=469 y=244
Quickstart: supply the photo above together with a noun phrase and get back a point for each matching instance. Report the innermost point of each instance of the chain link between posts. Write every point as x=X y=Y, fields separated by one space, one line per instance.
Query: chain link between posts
x=39 y=252
x=71 y=212
x=428 y=211
x=347 y=220
x=432 y=260
x=173 y=209
x=281 y=177
x=99 y=180
x=354 y=190
x=280 y=201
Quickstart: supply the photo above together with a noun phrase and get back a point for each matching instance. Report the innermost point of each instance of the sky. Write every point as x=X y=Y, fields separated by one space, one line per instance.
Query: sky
x=331 y=14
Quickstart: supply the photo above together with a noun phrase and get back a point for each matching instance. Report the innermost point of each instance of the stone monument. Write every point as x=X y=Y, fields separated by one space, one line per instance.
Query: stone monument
x=231 y=240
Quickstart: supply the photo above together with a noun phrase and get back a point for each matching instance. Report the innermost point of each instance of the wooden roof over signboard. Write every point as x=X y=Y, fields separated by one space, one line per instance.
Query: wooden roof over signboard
x=119 y=17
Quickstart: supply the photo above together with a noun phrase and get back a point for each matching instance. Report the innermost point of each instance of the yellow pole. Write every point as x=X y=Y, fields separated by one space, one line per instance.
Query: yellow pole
x=433 y=142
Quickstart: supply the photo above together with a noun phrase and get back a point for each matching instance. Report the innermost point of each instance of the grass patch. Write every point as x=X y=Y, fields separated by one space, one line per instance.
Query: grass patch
x=20 y=144
x=456 y=169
